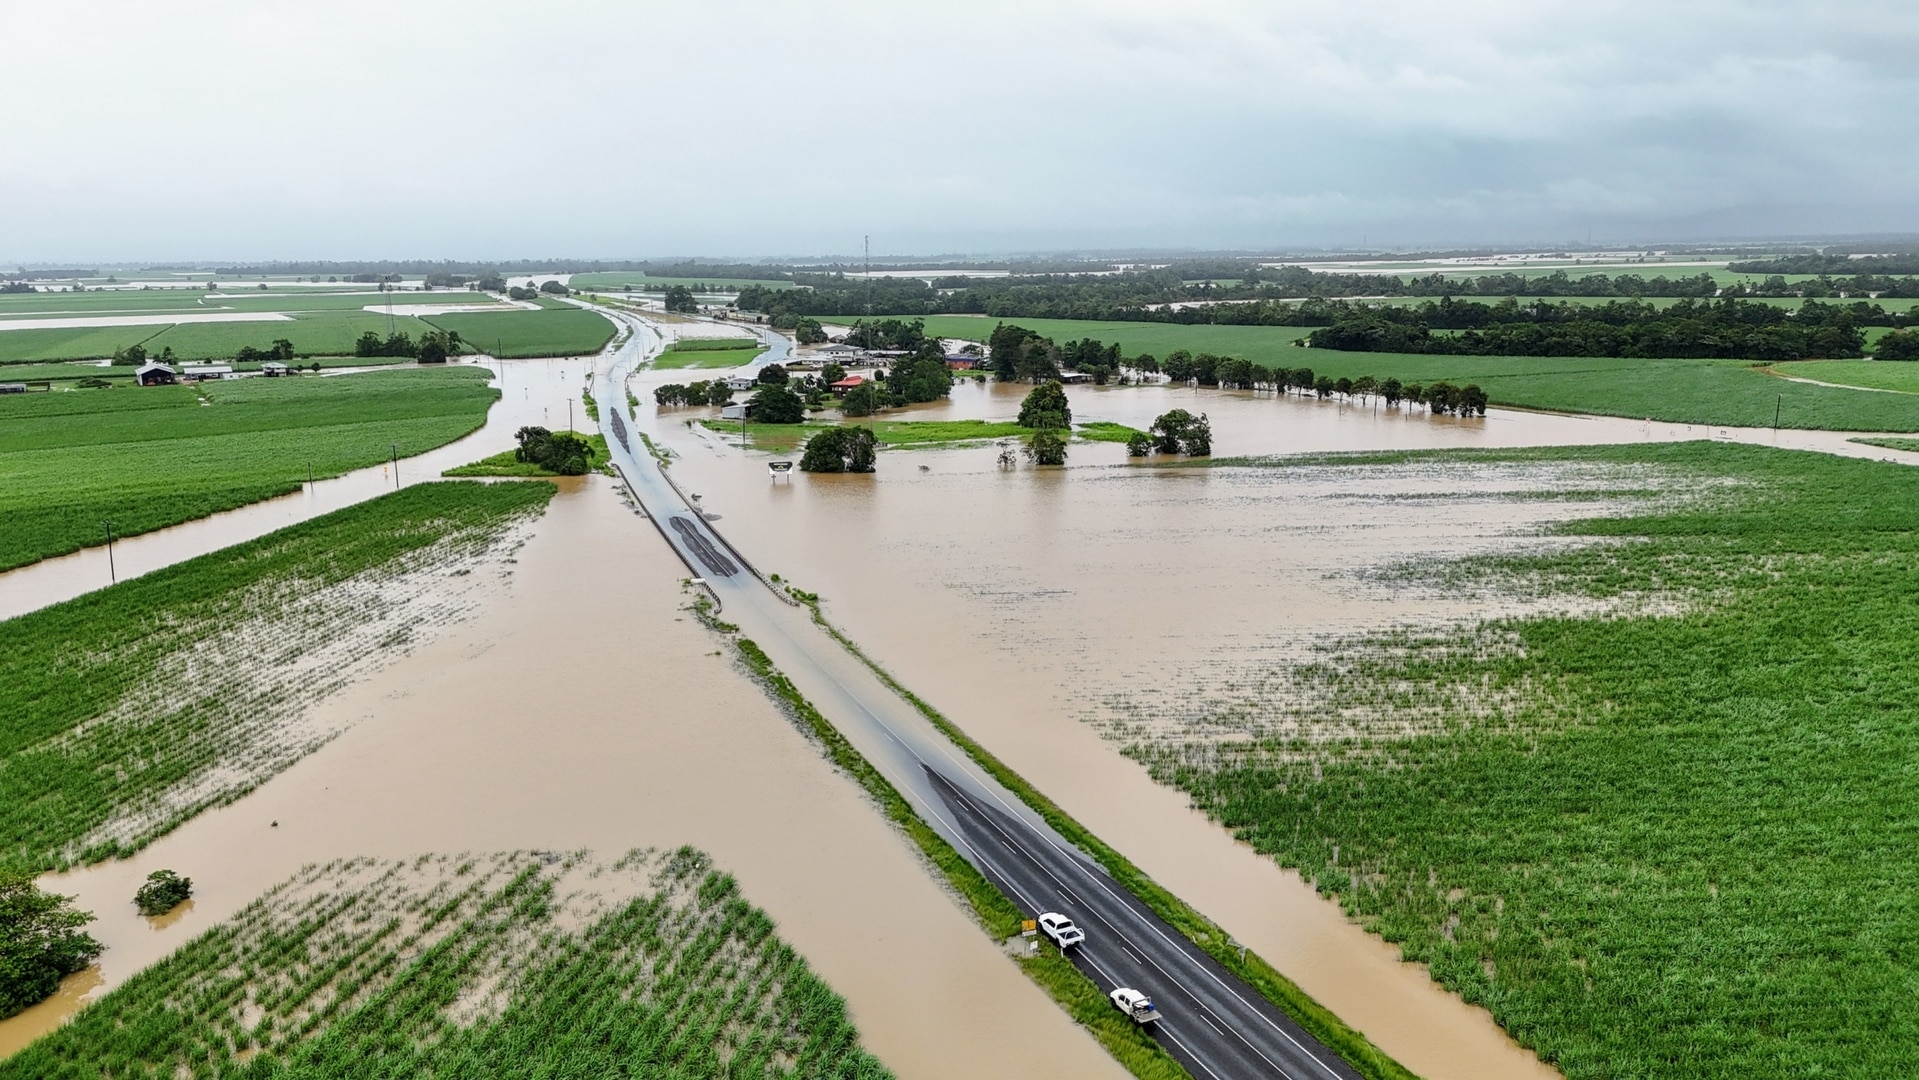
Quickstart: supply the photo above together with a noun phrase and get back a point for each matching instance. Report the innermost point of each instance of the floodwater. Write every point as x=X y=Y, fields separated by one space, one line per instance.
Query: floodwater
x=1042 y=609
x=532 y=392
x=585 y=709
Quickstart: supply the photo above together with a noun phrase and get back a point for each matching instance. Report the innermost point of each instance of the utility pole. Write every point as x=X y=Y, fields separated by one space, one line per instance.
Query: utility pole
x=1776 y=406
x=569 y=414
x=866 y=245
x=396 y=466
x=113 y=575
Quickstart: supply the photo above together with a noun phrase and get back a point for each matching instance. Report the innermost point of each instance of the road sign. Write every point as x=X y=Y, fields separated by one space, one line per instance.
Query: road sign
x=1028 y=927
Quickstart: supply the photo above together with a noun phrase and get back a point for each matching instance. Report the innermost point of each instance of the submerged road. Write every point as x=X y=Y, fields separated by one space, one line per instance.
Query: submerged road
x=1214 y=1023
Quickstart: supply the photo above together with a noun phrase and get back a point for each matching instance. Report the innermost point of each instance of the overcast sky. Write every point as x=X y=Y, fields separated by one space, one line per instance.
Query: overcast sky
x=329 y=129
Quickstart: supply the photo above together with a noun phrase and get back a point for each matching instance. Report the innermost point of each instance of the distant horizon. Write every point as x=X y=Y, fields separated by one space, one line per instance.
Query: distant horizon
x=1723 y=247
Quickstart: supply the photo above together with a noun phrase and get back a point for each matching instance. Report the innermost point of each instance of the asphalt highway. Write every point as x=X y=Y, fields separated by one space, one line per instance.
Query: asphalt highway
x=1216 y=1025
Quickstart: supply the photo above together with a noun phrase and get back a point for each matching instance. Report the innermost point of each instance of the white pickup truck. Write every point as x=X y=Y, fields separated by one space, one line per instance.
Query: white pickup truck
x=1060 y=930
x=1137 y=1006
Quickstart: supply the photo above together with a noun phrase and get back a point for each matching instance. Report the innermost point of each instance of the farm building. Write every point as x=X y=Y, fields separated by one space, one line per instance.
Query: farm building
x=962 y=361
x=203 y=372
x=732 y=412
x=273 y=369
x=837 y=352
x=13 y=388
x=742 y=382
x=848 y=383
x=154 y=373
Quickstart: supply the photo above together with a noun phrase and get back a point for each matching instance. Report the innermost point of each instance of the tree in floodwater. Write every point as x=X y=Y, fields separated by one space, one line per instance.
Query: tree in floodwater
x=1046 y=447
x=40 y=942
x=775 y=405
x=1180 y=432
x=559 y=452
x=164 y=890
x=862 y=400
x=679 y=299
x=840 y=449
x=1046 y=407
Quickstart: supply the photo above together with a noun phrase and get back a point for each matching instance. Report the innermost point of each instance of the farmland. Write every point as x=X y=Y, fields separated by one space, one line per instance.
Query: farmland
x=709 y=353
x=151 y=457
x=512 y=965
x=551 y=331
x=318 y=323
x=1719 y=392
x=1670 y=837
x=1874 y=374
x=128 y=710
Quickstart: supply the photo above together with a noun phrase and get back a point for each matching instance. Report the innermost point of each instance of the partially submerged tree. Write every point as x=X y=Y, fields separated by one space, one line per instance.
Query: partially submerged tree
x=164 y=890
x=1046 y=407
x=1046 y=447
x=1180 y=432
x=560 y=452
x=776 y=405
x=679 y=299
x=862 y=400
x=840 y=449
x=40 y=942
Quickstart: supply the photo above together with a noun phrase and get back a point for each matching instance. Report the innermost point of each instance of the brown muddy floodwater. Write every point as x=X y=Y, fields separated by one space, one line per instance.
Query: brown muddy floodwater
x=531 y=392
x=584 y=709
x=1052 y=613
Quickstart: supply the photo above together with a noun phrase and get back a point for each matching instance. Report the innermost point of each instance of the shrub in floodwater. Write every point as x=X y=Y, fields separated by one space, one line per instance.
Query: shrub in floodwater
x=164 y=891
x=40 y=942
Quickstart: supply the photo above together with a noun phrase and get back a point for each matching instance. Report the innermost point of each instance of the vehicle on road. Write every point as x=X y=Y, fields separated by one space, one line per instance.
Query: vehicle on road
x=1061 y=930
x=1137 y=1006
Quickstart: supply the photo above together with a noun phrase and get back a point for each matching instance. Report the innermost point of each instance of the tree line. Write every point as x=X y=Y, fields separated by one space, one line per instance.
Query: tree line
x=433 y=347
x=1903 y=262
x=1728 y=328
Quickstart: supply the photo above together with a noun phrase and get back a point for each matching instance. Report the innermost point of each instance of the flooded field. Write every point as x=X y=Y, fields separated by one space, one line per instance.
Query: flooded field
x=1057 y=615
x=531 y=392
x=585 y=710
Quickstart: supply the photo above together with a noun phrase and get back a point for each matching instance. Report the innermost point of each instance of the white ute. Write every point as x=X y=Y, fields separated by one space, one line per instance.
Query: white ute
x=1137 y=1006
x=1061 y=930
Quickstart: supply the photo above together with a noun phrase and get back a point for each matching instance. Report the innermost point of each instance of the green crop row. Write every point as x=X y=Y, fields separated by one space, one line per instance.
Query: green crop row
x=471 y=966
x=149 y=457
x=113 y=710
x=1671 y=837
